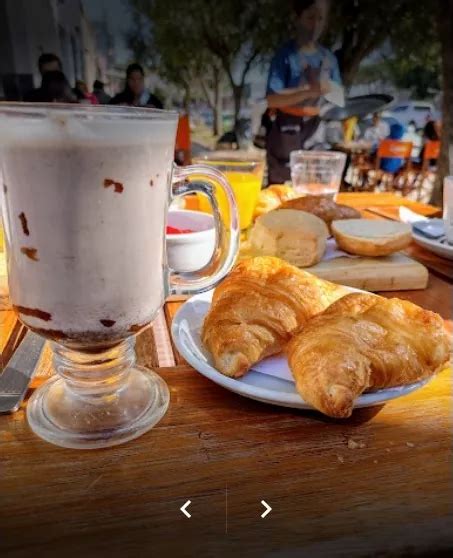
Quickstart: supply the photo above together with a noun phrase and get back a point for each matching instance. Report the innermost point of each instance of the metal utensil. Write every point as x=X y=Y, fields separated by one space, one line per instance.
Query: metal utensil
x=16 y=377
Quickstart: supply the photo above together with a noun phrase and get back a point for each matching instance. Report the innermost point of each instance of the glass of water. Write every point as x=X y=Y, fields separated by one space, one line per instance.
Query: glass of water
x=317 y=172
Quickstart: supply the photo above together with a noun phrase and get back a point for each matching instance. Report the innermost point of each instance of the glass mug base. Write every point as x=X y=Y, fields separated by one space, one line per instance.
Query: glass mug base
x=121 y=402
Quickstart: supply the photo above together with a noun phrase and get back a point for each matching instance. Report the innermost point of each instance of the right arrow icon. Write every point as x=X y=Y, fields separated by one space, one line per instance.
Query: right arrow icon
x=267 y=510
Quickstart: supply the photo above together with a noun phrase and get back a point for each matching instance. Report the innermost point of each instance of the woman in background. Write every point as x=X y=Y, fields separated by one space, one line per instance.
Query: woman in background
x=83 y=95
x=134 y=93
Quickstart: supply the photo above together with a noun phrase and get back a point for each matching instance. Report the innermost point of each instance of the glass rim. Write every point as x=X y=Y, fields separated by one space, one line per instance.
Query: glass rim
x=224 y=157
x=42 y=110
x=308 y=154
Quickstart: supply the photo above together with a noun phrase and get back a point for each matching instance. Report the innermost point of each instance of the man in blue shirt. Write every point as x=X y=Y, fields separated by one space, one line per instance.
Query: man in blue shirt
x=300 y=75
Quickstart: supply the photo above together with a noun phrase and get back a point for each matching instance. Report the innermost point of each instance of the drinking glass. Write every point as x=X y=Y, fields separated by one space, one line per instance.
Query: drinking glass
x=245 y=175
x=317 y=172
x=86 y=193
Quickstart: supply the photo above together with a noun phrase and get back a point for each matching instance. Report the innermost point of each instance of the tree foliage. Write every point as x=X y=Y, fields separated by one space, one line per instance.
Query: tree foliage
x=358 y=28
x=188 y=40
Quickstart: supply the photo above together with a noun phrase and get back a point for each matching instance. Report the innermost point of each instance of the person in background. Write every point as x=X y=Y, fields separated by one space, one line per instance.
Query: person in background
x=47 y=62
x=393 y=165
x=414 y=137
x=83 y=95
x=98 y=91
x=431 y=132
x=55 y=88
x=378 y=130
x=134 y=94
x=299 y=77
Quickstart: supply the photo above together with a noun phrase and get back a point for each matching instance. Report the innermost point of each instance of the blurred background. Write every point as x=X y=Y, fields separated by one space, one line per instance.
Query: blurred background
x=210 y=60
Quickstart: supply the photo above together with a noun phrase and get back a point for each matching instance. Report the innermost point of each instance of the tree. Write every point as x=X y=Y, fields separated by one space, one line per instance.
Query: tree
x=445 y=26
x=240 y=34
x=360 y=27
x=208 y=40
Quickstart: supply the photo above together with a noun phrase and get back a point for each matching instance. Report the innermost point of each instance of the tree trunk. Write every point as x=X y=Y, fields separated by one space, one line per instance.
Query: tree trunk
x=218 y=104
x=186 y=99
x=238 y=90
x=218 y=109
x=445 y=167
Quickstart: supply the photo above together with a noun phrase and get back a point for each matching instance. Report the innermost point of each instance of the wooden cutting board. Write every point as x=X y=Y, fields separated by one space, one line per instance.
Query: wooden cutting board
x=391 y=273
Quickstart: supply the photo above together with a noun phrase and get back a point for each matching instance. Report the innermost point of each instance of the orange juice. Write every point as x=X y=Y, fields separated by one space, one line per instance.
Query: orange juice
x=245 y=177
x=246 y=188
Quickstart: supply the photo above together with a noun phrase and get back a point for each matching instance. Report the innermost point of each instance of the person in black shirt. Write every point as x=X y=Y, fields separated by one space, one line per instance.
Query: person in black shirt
x=47 y=62
x=55 y=88
x=101 y=95
x=134 y=94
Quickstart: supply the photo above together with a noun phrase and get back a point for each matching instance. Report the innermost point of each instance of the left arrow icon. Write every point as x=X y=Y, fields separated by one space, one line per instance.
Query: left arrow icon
x=184 y=509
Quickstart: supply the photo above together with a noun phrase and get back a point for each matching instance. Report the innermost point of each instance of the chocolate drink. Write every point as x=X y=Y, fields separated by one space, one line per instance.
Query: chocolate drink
x=85 y=205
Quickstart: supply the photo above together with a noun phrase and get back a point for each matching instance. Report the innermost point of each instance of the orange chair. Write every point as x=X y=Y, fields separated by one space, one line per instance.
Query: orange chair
x=394 y=149
x=431 y=151
x=183 y=146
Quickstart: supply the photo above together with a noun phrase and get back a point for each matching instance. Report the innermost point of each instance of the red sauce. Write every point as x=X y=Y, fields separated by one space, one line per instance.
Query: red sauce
x=174 y=230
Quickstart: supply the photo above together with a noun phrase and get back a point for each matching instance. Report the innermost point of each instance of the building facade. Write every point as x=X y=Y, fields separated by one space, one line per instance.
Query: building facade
x=28 y=29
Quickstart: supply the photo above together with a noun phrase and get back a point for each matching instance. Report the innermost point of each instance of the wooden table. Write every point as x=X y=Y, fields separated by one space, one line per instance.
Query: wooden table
x=390 y=496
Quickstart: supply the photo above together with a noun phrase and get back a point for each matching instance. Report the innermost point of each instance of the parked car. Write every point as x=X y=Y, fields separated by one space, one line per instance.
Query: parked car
x=413 y=112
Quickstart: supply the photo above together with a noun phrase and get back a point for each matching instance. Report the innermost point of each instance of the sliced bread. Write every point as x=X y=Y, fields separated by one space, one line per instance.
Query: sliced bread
x=371 y=237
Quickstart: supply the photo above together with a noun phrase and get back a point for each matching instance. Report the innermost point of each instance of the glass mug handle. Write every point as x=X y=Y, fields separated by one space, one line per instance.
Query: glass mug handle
x=227 y=238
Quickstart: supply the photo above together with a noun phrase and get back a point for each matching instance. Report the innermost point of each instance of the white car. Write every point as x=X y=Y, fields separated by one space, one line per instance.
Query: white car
x=416 y=112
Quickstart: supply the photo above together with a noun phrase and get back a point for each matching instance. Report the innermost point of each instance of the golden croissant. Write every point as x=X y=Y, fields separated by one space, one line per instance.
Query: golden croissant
x=364 y=342
x=271 y=197
x=256 y=309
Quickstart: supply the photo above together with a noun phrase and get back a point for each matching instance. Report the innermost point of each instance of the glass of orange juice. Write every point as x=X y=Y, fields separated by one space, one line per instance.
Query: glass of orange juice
x=245 y=175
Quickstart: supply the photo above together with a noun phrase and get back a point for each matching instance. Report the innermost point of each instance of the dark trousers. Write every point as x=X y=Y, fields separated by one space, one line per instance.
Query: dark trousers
x=288 y=133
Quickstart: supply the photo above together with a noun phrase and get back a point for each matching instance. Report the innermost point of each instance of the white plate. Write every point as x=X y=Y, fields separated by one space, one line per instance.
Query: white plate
x=185 y=331
x=439 y=247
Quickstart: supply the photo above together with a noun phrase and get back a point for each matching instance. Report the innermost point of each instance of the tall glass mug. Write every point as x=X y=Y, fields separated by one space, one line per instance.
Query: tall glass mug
x=86 y=193
x=317 y=172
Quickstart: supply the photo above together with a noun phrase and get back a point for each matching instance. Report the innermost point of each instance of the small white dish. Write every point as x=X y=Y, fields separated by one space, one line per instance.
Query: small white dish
x=190 y=251
x=439 y=246
x=266 y=388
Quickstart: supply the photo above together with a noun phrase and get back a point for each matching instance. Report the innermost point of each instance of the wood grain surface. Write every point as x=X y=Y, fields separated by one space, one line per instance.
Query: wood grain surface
x=378 y=484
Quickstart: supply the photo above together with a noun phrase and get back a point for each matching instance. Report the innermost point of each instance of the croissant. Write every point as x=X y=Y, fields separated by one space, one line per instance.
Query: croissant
x=365 y=342
x=323 y=207
x=256 y=309
x=270 y=198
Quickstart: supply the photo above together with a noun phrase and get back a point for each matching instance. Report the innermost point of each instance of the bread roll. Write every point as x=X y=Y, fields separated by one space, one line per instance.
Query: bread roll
x=323 y=207
x=369 y=237
x=295 y=236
